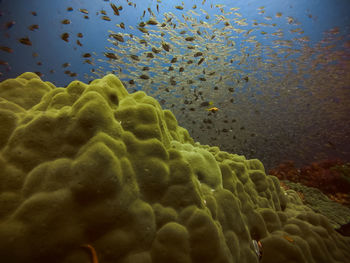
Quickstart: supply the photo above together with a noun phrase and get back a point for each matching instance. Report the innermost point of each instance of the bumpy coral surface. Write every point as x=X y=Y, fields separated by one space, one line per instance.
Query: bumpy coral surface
x=91 y=166
x=337 y=214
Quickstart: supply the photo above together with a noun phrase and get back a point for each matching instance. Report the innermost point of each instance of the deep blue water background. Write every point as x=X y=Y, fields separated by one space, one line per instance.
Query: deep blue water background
x=315 y=18
x=53 y=51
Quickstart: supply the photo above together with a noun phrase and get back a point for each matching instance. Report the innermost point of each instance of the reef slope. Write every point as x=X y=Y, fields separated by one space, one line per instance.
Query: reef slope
x=92 y=164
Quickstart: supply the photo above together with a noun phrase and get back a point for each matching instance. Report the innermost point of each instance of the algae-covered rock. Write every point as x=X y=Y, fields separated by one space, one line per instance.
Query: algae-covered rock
x=91 y=166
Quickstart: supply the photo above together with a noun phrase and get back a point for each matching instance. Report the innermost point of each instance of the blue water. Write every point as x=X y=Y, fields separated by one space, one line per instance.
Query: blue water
x=53 y=51
x=278 y=119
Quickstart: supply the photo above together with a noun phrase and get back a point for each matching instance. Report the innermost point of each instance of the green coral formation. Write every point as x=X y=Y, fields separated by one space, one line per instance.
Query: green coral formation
x=336 y=213
x=92 y=164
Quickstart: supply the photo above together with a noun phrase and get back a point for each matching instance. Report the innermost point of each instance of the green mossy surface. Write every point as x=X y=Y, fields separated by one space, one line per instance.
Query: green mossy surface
x=336 y=213
x=92 y=164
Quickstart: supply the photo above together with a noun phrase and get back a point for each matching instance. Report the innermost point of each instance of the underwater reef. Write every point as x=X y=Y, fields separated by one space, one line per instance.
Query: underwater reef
x=337 y=214
x=90 y=173
x=332 y=177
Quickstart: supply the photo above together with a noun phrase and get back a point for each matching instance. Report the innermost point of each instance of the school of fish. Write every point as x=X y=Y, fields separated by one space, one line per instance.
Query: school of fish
x=288 y=100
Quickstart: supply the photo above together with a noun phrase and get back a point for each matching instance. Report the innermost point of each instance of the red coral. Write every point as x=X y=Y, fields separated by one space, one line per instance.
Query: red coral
x=322 y=175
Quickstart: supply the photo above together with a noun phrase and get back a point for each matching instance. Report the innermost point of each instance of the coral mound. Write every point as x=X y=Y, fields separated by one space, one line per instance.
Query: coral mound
x=92 y=164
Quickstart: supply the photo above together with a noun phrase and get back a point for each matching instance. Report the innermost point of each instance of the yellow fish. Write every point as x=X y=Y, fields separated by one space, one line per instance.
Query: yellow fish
x=213 y=109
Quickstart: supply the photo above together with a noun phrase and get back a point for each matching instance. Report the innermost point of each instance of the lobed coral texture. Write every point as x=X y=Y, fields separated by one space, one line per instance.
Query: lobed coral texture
x=92 y=164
